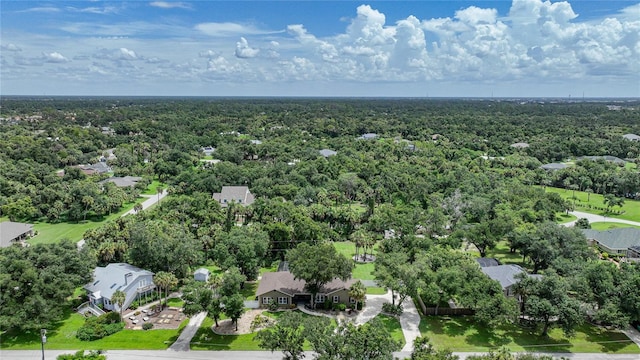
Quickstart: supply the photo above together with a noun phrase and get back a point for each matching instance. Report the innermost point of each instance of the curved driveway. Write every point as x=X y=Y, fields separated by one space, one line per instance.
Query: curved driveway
x=598 y=218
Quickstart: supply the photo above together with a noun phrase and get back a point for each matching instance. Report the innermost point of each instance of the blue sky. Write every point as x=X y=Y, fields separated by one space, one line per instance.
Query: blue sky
x=518 y=48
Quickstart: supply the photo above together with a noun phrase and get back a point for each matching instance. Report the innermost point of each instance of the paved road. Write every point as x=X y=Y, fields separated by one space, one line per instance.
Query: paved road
x=242 y=355
x=184 y=340
x=598 y=218
x=151 y=200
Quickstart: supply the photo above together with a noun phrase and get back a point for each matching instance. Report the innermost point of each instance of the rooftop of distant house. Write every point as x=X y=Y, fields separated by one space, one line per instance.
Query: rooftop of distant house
x=234 y=194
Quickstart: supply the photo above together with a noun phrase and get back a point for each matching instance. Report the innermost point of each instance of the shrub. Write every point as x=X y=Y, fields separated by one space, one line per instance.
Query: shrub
x=147 y=326
x=273 y=306
x=326 y=305
x=95 y=328
x=605 y=256
x=341 y=307
x=395 y=310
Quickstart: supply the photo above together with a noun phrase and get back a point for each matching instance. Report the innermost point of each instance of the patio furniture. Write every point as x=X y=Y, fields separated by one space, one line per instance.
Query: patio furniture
x=145 y=318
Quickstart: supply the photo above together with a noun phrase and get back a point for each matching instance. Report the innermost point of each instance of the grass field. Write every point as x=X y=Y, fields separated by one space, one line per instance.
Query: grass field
x=463 y=334
x=630 y=208
x=501 y=252
x=63 y=337
x=152 y=189
x=360 y=271
x=562 y=218
x=376 y=291
x=393 y=327
x=609 y=226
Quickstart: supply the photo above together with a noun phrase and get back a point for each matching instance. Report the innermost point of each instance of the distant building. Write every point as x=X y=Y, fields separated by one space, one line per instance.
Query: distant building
x=506 y=276
x=487 y=262
x=208 y=150
x=127 y=181
x=614 y=241
x=632 y=137
x=256 y=142
x=201 y=274
x=327 y=152
x=553 y=166
x=611 y=159
x=368 y=136
x=234 y=194
x=520 y=145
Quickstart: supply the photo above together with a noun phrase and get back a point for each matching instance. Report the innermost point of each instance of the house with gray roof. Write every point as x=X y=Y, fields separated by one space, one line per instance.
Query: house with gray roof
x=520 y=145
x=201 y=274
x=14 y=233
x=100 y=167
x=633 y=253
x=236 y=194
x=487 y=262
x=631 y=137
x=506 y=276
x=368 y=136
x=208 y=150
x=614 y=241
x=126 y=181
x=283 y=289
x=327 y=152
x=553 y=166
x=131 y=280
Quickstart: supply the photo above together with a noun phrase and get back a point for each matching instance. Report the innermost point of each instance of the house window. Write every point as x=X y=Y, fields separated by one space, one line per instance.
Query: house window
x=319 y=298
x=283 y=300
x=224 y=201
x=336 y=298
x=107 y=302
x=266 y=300
x=352 y=300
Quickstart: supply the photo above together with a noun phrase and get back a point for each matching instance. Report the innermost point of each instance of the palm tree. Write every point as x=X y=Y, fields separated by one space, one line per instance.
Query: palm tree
x=161 y=279
x=118 y=298
x=358 y=292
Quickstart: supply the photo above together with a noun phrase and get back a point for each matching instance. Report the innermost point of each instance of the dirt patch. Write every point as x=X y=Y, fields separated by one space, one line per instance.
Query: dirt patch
x=244 y=324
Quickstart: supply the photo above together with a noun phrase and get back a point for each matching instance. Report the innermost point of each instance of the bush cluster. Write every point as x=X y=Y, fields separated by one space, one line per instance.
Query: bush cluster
x=96 y=328
x=395 y=310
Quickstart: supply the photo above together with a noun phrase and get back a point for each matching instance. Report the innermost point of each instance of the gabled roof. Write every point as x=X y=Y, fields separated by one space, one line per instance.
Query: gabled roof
x=203 y=271
x=10 y=230
x=554 y=166
x=116 y=276
x=609 y=158
x=327 y=152
x=99 y=167
x=126 y=181
x=284 y=282
x=237 y=194
x=632 y=137
x=505 y=274
x=618 y=239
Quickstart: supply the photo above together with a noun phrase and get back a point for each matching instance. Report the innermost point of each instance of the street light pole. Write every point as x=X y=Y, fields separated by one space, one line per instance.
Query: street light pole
x=43 y=338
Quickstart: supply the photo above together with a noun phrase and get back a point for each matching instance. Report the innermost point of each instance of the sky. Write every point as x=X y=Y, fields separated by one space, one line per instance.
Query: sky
x=419 y=48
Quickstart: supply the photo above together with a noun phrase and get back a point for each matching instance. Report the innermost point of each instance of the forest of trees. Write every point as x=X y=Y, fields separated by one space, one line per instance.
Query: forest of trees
x=461 y=184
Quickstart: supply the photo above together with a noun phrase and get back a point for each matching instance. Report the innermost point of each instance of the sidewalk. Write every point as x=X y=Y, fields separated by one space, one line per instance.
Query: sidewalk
x=410 y=323
x=184 y=340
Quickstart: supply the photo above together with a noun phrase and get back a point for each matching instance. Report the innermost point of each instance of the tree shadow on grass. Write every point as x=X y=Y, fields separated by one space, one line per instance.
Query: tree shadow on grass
x=608 y=340
x=531 y=340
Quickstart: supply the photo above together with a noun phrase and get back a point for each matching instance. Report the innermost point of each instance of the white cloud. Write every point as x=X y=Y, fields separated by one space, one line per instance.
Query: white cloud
x=10 y=47
x=54 y=57
x=226 y=29
x=44 y=9
x=244 y=51
x=170 y=5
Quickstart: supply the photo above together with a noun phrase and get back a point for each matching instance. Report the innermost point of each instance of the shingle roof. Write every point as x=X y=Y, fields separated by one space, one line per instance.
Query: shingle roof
x=554 y=166
x=10 y=230
x=632 y=137
x=107 y=280
x=203 y=271
x=126 y=181
x=609 y=158
x=369 y=136
x=327 y=152
x=237 y=194
x=285 y=283
x=520 y=145
x=487 y=262
x=505 y=274
x=618 y=239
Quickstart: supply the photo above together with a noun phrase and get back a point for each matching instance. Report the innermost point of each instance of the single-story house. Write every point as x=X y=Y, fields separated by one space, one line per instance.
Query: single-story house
x=487 y=262
x=609 y=158
x=553 y=166
x=100 y=167
x=201 y=274
x=506 y=276
x=520 y=145
x=633 y=253
x=632 y=137
x=208 y=150
x=368 y=136
x=236 y=194
x=127 y=181
x=283 y=289
x=131 y=280
x=14 y=233
x=614 y=241
x=327 y=152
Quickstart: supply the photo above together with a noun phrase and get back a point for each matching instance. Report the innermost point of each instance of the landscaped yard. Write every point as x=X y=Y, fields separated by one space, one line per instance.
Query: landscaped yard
x=501 y=252
x=152 y=189
x=563 y=217
x=393 y=327
x=630 y=208
x=463 y=334
x=360 y=271
x=205 y=339
x=63 y=336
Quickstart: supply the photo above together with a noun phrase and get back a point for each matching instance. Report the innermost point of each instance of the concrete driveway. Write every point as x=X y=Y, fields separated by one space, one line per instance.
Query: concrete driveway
x=598 y=218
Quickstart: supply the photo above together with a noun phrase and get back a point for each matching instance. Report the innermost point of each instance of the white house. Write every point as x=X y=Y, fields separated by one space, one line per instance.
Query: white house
x=131 y=280
x=201 y=274
x=234 y=194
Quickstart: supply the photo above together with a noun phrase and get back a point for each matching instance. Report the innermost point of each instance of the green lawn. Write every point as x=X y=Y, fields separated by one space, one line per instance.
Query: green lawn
x=393 y=327
x=205 y=339
x=609 y=226
x=563 y=217
x=463 y=334
x=360 y=271
x=249 y=290
x=152 y=189
x=501 y=252
x=630 y=208
x=376 y=291
x=175 y=302
x=63 y=337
